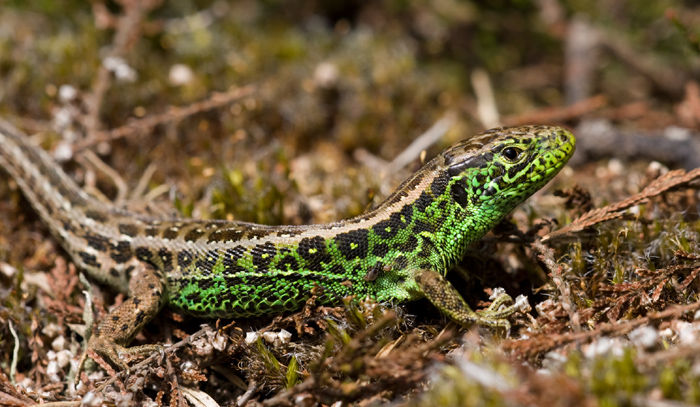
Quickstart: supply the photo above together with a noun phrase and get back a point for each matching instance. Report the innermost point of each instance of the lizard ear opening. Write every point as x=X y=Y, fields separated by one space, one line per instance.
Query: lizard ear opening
x=459 y=193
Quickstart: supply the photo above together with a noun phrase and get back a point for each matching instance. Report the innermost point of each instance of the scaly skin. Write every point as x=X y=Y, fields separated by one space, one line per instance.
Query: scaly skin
x=398 y=252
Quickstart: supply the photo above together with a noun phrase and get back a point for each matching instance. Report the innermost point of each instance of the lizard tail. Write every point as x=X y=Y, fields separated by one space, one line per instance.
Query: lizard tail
x=59 y=201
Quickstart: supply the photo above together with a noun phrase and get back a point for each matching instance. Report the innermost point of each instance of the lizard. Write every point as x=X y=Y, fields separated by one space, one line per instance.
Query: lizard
x=397 y=252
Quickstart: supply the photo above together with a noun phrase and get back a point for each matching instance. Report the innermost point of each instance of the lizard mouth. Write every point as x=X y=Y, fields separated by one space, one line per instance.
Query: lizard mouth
x=557 y=148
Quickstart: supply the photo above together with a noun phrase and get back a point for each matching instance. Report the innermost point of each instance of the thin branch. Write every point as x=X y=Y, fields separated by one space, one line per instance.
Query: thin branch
x=135 y=126
x=128 y=28
x=425 y=140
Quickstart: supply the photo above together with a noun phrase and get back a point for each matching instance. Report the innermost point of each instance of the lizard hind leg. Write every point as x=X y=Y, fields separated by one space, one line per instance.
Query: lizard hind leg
x=113 y=334
x=447 y=299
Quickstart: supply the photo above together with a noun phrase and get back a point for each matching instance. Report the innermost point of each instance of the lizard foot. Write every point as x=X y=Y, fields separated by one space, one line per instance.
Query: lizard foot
x=117 y=355
x=447 y=299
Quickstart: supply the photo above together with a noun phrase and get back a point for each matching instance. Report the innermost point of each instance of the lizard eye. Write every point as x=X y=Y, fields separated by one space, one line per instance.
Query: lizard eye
x=511 y=153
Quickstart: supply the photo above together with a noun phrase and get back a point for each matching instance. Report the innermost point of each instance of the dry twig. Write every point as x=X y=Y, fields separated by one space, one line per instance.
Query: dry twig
x=664 y=183
x=541 y=343
x=136 y=126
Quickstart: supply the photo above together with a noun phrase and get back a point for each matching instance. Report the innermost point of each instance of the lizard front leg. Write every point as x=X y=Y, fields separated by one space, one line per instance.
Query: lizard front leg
x=113 y=334
x=445 y=297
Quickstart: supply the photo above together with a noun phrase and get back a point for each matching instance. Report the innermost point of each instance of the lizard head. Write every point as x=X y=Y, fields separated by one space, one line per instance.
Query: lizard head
x=494 y=171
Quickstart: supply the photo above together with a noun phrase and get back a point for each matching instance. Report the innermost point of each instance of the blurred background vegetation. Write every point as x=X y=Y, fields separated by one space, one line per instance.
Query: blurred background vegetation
x=299 y=107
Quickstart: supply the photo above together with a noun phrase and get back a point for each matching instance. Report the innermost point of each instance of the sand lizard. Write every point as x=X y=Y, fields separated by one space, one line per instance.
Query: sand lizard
x=398 y=252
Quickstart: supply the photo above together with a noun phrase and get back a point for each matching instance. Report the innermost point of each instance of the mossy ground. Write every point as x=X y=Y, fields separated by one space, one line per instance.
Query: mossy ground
x=339 y=90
